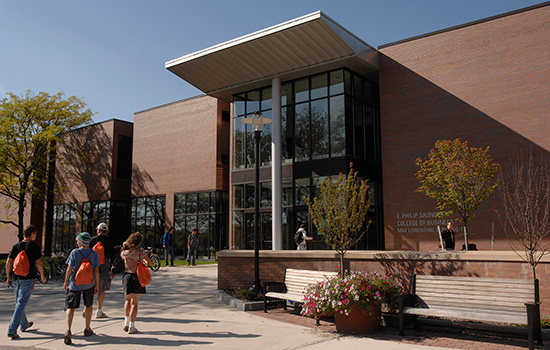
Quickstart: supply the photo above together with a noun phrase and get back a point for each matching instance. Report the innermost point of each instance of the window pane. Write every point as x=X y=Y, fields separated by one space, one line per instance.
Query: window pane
x=253 y=102
x=319 y=129
x=302 y=190
x=238 y=196
x=337 y=126
x=358 y=126
x=192 y=203
x=337 y=82
x=347 y=82
x=367 y=92
x=265 y=141
x=237 y=222
x=204 y=202
x=250 y=143
x=370 y=136
x=357 y=88
x=266 y=99
x=302 y=132
x=249 y=195
x=319 y=86
x=287 y=135
x=301 y=90
x=265 y=195
x=286 y=94
x=287 y=192
x=179 y=204
x=238 y=105
x=238 y=143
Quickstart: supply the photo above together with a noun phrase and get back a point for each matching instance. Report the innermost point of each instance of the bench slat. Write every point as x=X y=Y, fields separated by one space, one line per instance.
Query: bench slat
x=495 y=316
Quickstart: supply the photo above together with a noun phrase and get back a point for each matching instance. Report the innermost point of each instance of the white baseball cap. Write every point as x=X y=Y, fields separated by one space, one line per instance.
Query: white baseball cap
x=102 y=227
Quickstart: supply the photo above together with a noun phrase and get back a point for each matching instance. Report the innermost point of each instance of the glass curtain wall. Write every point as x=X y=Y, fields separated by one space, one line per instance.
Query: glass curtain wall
x=93 y=213
x=328 y=118
x=64 y=227
x=148 y=217
x=207 y=212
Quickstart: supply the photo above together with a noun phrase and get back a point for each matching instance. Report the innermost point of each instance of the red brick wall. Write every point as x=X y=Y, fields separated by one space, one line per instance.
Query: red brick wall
x=236 y=268
x=487 y=83
x=175 y=150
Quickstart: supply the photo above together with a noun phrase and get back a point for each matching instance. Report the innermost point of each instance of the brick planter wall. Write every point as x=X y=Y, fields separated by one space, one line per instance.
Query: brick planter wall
x=236 y=267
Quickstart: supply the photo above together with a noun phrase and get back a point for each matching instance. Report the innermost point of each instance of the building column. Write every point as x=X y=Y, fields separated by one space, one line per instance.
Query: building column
x=276 y=167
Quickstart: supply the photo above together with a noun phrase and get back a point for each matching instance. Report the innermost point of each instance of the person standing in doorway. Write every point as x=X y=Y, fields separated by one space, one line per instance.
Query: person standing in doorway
x=23 y=285
x=192 y=244
x=107 y=249
x=448 y=237
x=168 y=243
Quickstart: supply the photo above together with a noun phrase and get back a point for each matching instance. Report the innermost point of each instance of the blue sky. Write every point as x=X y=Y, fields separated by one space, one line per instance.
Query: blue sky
x=112 y=53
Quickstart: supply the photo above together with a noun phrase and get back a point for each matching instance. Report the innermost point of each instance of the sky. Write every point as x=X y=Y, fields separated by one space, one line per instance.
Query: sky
x=111 y=54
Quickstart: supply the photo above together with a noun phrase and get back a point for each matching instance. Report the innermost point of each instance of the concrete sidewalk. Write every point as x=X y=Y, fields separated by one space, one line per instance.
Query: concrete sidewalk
x=179 y=310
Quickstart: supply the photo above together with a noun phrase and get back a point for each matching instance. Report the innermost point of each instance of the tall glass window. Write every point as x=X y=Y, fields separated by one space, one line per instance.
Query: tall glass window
x=64 y=227
x=207 y=213
x=148 y=218
x=93 y=213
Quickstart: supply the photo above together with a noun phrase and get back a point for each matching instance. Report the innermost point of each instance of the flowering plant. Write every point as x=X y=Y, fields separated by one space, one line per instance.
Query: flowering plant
x=341 y=294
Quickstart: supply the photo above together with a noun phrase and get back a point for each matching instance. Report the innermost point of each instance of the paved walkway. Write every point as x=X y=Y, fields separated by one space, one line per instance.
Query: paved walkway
x=180 y=310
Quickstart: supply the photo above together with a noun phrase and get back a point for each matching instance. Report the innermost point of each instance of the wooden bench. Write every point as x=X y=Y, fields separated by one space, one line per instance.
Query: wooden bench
x=509 y=301
x=295 y=282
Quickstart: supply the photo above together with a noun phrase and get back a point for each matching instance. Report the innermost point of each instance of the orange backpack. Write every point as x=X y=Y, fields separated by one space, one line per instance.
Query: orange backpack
x=85 y=272
x=21 y=265
x=100 y=250
x=143 y=273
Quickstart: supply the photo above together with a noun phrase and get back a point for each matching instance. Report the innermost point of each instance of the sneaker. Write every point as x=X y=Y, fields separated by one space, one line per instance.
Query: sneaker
x=100 y=314
x=132 y=330
x=67 y=338
x=88 y=332
x=28 y=326
x=125 y=329
x=13 y=336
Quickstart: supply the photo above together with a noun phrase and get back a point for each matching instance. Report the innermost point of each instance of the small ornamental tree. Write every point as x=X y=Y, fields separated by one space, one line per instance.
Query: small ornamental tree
x=458 y=177
x=340 y=211
x=525 y=195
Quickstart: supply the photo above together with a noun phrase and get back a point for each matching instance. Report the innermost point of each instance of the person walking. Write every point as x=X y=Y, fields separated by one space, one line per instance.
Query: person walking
x=102 y=244
x=448 y=236
x=23 y=285
x=301 y=237
x=168 y=243
x=132 y=255
x=192 y=244
x=80 y=257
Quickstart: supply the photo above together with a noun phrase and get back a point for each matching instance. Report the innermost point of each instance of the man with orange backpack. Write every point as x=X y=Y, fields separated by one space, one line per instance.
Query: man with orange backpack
x=22 y=263
x=105 y=249
x=81 y=279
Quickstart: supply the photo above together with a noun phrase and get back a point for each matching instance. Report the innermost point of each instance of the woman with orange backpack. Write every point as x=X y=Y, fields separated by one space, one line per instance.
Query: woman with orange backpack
x=133 y=256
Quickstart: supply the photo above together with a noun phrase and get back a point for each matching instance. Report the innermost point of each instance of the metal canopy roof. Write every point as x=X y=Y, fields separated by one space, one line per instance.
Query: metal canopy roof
x=302 y=46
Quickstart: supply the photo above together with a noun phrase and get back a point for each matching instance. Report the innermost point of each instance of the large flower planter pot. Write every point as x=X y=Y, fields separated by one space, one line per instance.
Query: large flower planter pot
x=358 y=322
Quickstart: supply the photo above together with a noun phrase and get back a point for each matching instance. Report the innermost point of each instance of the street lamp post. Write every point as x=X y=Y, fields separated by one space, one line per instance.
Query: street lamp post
x=257 y=121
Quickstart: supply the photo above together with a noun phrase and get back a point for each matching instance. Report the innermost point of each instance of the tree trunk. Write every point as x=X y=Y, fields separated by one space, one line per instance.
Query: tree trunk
x=20 y=216
x=342 y=265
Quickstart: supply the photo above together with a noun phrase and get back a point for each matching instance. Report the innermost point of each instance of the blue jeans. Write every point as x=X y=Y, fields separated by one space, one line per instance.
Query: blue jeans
x=22 y=290
x=169 y=255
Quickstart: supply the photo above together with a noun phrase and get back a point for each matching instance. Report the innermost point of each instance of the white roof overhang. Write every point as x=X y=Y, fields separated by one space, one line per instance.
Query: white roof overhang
x=303 y=46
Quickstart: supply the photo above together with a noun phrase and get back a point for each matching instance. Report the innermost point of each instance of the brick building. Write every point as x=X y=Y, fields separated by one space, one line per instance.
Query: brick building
x=333 y=99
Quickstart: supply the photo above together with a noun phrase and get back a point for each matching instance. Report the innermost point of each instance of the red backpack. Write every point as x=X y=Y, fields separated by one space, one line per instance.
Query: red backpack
x=85 y=272
x=100 y=250
x=21 y=264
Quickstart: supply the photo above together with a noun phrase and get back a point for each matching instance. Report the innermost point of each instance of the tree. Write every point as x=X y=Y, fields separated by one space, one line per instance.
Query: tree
x=30 y=128
x=458 y=177
x=340 y=211
x=525 y=195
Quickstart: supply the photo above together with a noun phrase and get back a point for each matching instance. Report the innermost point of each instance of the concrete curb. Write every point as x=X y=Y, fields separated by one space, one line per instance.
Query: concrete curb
x=239 y=304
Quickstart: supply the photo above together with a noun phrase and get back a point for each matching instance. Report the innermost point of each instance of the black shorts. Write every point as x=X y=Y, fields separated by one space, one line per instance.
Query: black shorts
x=72 y=301
x=131 y=284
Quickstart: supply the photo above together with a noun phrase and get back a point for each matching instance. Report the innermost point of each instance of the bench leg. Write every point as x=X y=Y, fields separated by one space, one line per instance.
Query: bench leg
x=265 y=304
x=401 y=323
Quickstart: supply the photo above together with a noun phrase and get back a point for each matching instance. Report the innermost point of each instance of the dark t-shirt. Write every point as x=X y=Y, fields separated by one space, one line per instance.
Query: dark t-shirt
x=107 y=244
x=193 y=239
x=33 y=253
x=448 y=237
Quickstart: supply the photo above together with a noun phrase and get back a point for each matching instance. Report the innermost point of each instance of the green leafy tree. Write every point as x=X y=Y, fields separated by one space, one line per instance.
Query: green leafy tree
x=458 y=177
x=340 y=211
x=30 y=128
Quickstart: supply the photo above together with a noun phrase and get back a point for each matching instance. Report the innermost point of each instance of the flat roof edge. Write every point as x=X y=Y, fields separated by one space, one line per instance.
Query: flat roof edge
x=487 y=19
x=245 y=38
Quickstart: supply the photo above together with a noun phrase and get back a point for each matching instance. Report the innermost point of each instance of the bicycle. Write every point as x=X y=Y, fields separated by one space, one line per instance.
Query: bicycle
x=57 y=268
x=153 y=256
